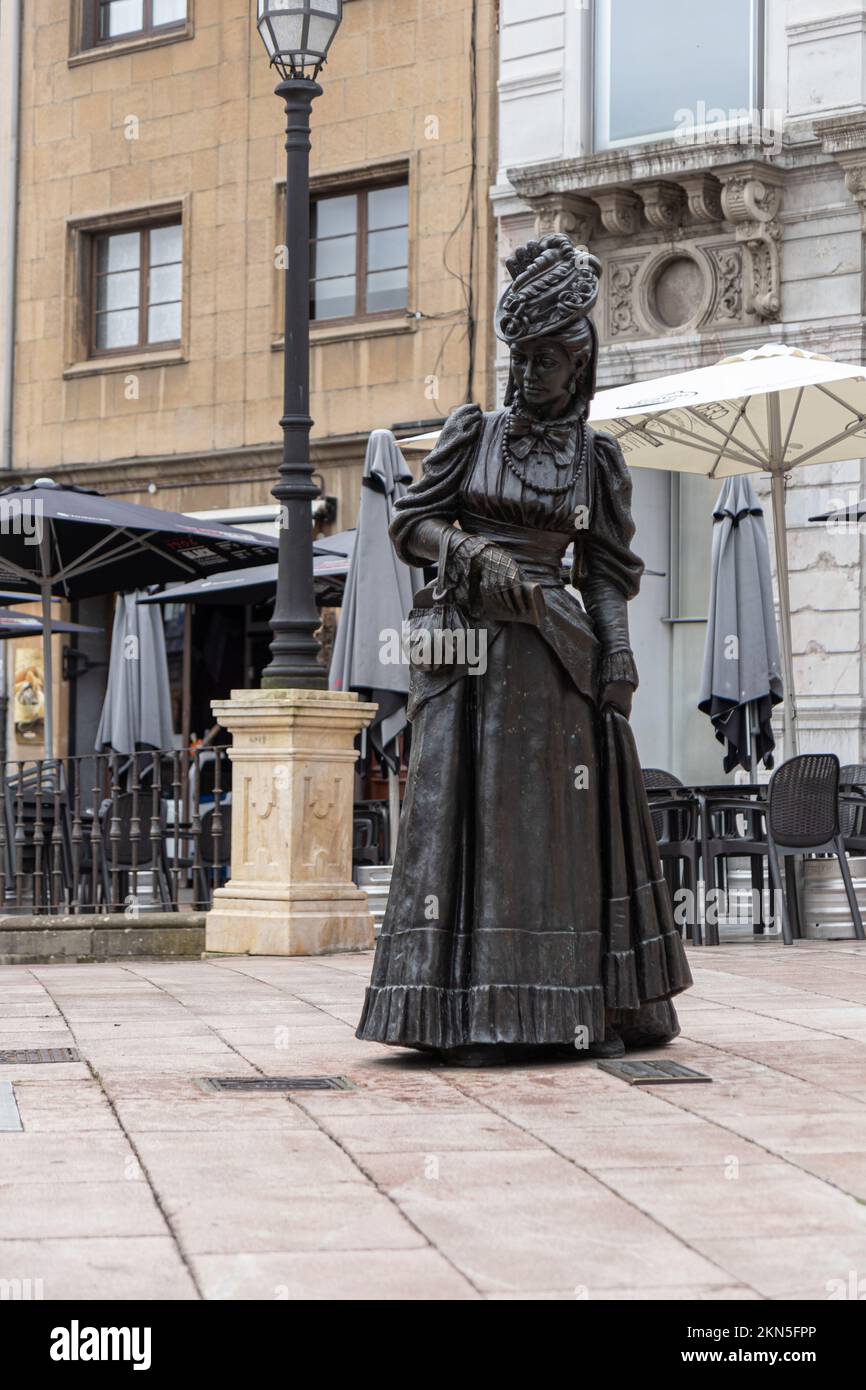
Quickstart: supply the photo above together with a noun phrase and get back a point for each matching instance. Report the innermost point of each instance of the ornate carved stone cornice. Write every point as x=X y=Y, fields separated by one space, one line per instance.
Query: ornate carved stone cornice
x=699 y=197
x=751 y=197
x=563 y=212
x=844 y=138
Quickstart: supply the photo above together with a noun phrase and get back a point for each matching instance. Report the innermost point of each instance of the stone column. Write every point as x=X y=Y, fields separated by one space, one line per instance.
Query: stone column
x=291 y=891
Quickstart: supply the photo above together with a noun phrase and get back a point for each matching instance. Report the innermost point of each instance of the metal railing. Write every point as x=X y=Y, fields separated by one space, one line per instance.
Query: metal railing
x=115 y=833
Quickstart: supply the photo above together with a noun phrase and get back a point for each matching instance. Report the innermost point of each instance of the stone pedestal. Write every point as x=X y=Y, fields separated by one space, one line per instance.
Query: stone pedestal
x=291 y=891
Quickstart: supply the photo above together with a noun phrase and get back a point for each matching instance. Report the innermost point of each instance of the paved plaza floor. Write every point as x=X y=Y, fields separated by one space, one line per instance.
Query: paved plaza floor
x=128 y=1180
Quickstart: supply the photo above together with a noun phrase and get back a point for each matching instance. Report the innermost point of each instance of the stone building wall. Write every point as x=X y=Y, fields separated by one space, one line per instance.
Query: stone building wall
x=192 y=124
x=712 y=248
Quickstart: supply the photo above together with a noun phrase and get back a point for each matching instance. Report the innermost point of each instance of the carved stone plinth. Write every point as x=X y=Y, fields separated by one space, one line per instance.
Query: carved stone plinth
x=291 y=890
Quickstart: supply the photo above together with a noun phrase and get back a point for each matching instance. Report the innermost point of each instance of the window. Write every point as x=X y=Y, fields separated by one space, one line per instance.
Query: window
x=359 y=253
x=109 y=20
x=136 y=292
x=673 y=65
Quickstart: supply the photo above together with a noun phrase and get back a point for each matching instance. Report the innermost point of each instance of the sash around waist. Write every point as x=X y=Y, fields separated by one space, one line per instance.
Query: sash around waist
x=538 y=552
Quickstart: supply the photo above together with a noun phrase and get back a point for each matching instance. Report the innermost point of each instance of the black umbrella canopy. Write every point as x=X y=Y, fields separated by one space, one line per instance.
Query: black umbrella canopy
x=87 y=544
x=257 y=584
x=78 y=543
x=27 y=625
x=8 y=596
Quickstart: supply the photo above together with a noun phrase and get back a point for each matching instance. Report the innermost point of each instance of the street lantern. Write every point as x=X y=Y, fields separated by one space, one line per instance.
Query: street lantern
x=297 y=35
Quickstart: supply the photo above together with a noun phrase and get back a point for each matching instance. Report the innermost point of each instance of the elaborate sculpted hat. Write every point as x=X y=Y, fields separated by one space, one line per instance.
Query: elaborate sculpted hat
x=553 y=285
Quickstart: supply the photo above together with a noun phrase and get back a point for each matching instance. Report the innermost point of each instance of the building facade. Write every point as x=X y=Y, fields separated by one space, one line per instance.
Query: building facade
x=715 y=159
x=147 y=288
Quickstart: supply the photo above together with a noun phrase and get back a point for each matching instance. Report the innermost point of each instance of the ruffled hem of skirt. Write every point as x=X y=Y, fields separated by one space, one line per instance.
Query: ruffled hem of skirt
x=653 y=965
x=429 y=1016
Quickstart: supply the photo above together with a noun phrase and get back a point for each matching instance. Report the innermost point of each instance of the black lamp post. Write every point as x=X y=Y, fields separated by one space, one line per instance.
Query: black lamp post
x=297 y=35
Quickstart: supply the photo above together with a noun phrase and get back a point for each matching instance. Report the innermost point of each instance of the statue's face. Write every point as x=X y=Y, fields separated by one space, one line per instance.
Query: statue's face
x=546 y=374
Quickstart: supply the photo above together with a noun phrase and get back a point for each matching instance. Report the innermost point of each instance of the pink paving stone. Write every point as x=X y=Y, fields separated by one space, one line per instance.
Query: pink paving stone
x=545 y=1182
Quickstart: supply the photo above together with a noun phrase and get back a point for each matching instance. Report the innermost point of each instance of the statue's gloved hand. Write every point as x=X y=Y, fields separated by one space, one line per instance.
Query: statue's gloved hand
x=619 y=695
x=499 y=577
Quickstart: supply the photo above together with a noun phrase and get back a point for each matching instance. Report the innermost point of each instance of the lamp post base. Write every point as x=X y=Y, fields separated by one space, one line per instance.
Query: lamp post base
x=291 y=890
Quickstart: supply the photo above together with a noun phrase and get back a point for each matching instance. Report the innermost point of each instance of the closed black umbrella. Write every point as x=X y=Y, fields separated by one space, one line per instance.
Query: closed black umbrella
x=70 y=541
x=741 y=678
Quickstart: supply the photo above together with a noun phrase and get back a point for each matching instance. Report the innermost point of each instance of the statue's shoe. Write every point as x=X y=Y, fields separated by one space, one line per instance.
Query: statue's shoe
x=609 y=1047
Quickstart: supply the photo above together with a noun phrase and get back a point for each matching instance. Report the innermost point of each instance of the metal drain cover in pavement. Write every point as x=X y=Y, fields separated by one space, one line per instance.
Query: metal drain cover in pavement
x=276 y=1083
x=16 y=1056
x=652 y=1073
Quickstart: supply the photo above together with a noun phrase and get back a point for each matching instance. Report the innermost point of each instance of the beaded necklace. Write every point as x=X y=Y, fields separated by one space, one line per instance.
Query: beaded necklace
x=580 y=452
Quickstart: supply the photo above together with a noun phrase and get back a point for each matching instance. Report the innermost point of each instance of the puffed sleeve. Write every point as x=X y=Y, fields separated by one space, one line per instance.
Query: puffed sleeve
x=437 y=492
x=606 y=570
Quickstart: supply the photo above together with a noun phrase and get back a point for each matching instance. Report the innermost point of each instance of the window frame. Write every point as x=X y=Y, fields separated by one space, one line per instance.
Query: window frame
x=143 y=230
x=361 y=191
x=148 y=28
x=600 y=17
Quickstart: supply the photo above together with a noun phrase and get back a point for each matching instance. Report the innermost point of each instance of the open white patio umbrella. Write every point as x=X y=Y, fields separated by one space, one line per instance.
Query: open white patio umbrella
x=765 y=411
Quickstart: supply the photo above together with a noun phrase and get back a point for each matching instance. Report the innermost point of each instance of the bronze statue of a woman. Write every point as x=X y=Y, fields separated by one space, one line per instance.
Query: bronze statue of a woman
x=527 y=905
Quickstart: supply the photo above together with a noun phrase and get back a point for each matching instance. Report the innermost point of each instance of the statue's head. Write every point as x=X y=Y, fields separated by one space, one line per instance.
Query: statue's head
x=543 y=317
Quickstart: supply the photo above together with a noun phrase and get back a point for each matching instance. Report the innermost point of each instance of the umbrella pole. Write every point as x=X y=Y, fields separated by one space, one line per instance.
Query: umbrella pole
x=393 y=812
x=753 y=741
x=47 y=671
x=781 y=543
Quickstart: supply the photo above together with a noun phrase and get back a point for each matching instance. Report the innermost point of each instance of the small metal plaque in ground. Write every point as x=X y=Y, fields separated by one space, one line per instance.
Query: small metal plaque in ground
x=275 y=1083
x=16 y=1056
x=10 y=1120
x=652 y=1073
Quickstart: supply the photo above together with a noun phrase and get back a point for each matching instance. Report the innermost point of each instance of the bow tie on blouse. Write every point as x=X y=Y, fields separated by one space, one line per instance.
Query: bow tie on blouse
x=554 y=437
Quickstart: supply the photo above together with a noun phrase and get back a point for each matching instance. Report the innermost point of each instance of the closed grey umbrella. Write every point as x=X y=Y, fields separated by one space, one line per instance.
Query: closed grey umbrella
x=741 y=679
x=137 y=708
x=377 y=599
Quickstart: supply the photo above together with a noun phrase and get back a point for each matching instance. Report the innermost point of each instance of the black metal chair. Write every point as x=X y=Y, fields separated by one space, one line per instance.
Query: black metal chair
x=803 y=818
x=852 y=808
x=732 y=828
x=676 y=825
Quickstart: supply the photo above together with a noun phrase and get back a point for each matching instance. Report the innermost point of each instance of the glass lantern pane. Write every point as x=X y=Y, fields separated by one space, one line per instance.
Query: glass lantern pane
x=329 y=7
x=168 y=12
x=267 y=38
x=320 y=33
x=288 y=31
